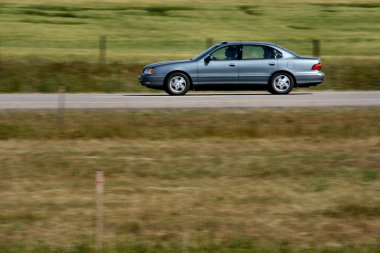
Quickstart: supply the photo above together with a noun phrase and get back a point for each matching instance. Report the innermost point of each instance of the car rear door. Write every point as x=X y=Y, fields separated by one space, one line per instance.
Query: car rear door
x=257 y=64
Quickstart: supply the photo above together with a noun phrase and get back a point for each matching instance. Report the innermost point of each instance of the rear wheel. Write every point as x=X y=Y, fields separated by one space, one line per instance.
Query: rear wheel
x=177 y=84
x=281 y=83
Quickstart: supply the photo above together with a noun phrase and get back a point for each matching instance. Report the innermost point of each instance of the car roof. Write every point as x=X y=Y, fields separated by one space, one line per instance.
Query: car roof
x=246 y=43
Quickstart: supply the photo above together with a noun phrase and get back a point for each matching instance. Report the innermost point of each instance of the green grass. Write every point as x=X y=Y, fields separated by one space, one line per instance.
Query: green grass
x=144 y=31
x=192 y=181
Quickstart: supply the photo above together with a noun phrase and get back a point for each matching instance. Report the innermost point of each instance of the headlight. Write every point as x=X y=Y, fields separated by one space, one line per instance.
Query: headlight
x=149 y=71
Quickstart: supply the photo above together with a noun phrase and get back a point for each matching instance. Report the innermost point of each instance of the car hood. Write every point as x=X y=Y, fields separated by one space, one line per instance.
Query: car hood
x=158 y=64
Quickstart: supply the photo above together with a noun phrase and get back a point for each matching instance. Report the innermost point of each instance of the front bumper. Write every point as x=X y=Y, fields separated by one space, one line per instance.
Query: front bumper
x=152 y=81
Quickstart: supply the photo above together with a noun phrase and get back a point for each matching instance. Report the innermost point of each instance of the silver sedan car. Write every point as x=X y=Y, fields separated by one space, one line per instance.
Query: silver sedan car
x=236 y=66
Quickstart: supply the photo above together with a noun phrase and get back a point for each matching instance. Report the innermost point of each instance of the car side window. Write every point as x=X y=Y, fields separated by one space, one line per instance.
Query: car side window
x=277 y=54
x=254 y=52
x=226 y=53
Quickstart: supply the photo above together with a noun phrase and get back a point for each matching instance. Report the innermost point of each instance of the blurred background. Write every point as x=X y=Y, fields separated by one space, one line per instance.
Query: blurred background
x=222 y=180
x=126 y=35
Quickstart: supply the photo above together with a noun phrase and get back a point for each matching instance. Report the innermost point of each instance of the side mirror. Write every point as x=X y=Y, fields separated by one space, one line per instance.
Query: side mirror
x=209 y=58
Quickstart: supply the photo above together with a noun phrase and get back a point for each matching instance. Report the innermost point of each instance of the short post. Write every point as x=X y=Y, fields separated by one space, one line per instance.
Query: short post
x=61 y=109
x=185 y=242
x=102 y=49
x=316 y=48
x=209 y=42
x=99 y=210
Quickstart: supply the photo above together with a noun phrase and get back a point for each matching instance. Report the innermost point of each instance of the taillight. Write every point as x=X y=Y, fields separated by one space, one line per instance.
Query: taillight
x=317 y=66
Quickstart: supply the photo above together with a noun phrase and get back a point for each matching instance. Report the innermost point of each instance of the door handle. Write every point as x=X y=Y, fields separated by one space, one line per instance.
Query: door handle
x=232 y=64
x=272 y=63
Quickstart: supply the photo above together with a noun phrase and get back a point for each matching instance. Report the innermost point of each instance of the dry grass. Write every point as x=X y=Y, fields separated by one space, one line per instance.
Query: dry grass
x=220 y=189
x=315 y=188
x=173 y=124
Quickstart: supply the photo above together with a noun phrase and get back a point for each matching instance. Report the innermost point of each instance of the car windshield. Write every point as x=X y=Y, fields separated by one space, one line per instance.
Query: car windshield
x=206 y=52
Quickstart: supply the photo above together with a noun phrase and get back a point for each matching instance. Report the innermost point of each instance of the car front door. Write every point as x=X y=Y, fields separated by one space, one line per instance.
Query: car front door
x=221 y=67
x=257 y=64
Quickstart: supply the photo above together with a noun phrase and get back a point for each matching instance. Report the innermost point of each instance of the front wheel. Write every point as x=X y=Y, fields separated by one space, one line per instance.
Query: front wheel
x=281 y=83
x=177 y=84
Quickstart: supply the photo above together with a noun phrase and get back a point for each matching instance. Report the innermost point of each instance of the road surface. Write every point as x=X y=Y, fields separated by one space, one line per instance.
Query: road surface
x=191 y=100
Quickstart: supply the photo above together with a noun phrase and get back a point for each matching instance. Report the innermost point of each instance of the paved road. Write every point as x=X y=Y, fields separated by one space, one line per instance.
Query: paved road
x=192 y=100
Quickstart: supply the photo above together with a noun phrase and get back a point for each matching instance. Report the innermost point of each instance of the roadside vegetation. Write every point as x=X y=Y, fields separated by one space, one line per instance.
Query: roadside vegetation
x=46 y=76
x=285 y=180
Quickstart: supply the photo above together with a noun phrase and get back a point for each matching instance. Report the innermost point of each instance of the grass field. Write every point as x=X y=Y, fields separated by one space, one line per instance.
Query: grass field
x=192 y=181
x=144 y=31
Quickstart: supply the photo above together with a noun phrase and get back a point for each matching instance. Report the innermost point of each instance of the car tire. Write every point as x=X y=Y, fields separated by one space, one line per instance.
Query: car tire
x=281 y=83
x=177 y=84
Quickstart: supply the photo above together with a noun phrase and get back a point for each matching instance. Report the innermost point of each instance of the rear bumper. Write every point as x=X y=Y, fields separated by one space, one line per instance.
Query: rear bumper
x=310 y=79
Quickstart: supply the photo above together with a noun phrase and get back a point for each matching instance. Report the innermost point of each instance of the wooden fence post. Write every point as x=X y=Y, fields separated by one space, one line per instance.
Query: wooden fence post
x=209 y=42
x=316 y=48
x=99 y=210
x=102 y=49
x=61 y=110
